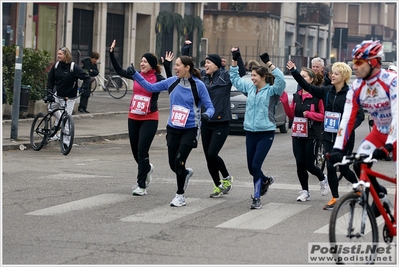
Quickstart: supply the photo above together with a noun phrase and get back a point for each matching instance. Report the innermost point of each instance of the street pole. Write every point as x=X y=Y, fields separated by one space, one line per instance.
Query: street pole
x=329 y=38
x=340 y=44
x=18 y=71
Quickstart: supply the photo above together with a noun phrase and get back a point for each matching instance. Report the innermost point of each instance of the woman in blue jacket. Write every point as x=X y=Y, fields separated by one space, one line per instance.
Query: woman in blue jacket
x=187 y=94
x=259 y=122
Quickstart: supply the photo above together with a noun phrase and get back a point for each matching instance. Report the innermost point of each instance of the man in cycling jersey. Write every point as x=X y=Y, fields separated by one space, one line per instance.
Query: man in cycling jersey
x=375 y=89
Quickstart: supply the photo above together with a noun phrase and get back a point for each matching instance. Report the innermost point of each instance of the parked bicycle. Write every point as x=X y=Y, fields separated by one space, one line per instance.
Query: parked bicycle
x=353 y=218
x=115 y=85
x=44 y=128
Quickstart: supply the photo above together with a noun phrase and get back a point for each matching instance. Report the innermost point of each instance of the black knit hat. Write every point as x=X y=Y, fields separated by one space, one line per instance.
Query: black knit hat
x=215 y=59
x=151 y=59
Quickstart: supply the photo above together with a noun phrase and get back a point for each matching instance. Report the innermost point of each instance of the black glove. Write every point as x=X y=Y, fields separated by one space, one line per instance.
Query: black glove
x=205 y=117
x=236 y=54
x=383 y=152
x=48 y=98
x=265 y=57
x=335 y=156
x=130 y=71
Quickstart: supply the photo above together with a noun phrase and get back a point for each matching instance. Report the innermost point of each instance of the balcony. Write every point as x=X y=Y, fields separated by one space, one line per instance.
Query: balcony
x=313 y=14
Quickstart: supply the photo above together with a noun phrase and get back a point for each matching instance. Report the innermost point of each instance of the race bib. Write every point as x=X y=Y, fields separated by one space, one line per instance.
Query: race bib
x=140 y=104
x=179 y=115
x=331 y=121
x=299 y=127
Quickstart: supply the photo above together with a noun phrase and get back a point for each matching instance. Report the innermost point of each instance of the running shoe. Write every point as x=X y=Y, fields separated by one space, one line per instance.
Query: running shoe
x=256 y=204
x=217 y=192
x=227 y=184
x=148 y=180
x=331 y=204
x=178 y=201
x=139 y=191
x=304 y=196
x=324 y=186
x=265 y=186
x=188 y=176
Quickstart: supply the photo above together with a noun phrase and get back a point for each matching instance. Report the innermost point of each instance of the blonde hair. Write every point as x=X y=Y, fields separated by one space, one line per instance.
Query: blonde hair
x=68 y=55
x=343 y=69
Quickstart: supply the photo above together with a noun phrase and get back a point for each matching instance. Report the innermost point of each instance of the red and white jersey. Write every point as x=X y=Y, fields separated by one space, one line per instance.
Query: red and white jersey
x=377 y=96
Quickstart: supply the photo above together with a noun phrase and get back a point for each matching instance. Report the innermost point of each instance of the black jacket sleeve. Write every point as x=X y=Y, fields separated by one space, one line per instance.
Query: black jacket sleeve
x=315 y=91
x=241 y=67
x=359 y=117
x=118 y=67
x=166 y=65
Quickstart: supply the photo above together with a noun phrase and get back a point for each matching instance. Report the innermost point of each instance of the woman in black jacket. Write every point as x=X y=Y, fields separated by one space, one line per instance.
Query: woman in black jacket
x=334 y=97
x=214 y=131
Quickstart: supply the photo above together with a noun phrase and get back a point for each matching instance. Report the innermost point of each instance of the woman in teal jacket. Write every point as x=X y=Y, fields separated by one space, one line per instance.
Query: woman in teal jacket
x=259 y=122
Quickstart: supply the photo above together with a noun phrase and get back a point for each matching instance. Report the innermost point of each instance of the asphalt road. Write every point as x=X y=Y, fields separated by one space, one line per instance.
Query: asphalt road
x=78 y=210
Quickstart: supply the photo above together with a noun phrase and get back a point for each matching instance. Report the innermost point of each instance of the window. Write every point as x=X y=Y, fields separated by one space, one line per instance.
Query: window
x=353 y=19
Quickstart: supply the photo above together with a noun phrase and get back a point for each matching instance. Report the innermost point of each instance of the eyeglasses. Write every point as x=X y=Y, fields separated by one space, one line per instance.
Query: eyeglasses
x=358 y=62
x=63 y=49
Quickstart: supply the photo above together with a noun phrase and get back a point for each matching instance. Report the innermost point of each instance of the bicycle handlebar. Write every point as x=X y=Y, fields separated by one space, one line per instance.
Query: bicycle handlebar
x=65 y=98
x=359 y=158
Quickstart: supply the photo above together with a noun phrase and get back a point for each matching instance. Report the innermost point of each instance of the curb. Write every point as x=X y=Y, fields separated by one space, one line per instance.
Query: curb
x=16 y=145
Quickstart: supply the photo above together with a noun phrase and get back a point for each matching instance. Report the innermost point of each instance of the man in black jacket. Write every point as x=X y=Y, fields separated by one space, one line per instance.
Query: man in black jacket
x=89 y=66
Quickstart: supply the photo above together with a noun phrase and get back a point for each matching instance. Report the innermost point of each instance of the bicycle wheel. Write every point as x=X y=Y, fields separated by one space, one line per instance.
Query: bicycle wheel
x=117 y=87
x=93 y=86
x=39 y=132
x=345 y=227
x=320 y=160
x=67 y=134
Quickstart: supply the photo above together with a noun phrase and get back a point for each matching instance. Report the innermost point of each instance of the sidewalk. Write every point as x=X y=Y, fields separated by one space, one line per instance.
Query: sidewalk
x=91 y=127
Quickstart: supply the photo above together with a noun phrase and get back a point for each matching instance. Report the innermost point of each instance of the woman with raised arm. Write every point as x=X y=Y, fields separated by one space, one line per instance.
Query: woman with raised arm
x=307 y=114
x=334 y=97
x=187 y=94
x=215 y=131
x=143 y=115
x=263 y=92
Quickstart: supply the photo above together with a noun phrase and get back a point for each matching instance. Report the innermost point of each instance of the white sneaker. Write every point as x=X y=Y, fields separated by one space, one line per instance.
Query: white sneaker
x=139 y=191
x=324 y=186
x=149 y=176
x=178 y=201
x=56 y=137
x=190 y=173
x=304 y=196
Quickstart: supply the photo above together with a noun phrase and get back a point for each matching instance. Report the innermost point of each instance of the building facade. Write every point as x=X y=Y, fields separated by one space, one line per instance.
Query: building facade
x=286 y=30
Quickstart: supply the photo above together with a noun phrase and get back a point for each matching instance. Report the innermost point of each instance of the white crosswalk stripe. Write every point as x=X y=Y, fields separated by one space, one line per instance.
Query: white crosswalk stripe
x=270 y=215
x=87 y=203
x=167 y=214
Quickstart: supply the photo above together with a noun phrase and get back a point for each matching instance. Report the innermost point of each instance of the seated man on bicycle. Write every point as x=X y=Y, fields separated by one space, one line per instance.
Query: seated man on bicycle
x=375 y=89
x=62 y=81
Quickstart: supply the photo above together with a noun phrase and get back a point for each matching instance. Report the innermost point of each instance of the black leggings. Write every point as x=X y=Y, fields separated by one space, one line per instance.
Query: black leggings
x=213 y=135
x=305 y=155
x=141 y=135
x=180 y=143
x=344 y=169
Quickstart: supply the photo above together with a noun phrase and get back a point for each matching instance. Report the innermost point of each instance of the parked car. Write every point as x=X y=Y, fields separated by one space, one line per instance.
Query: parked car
x=238 y=103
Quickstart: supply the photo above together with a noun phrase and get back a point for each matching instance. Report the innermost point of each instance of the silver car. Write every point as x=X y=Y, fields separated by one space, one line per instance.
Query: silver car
x=238 y=102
